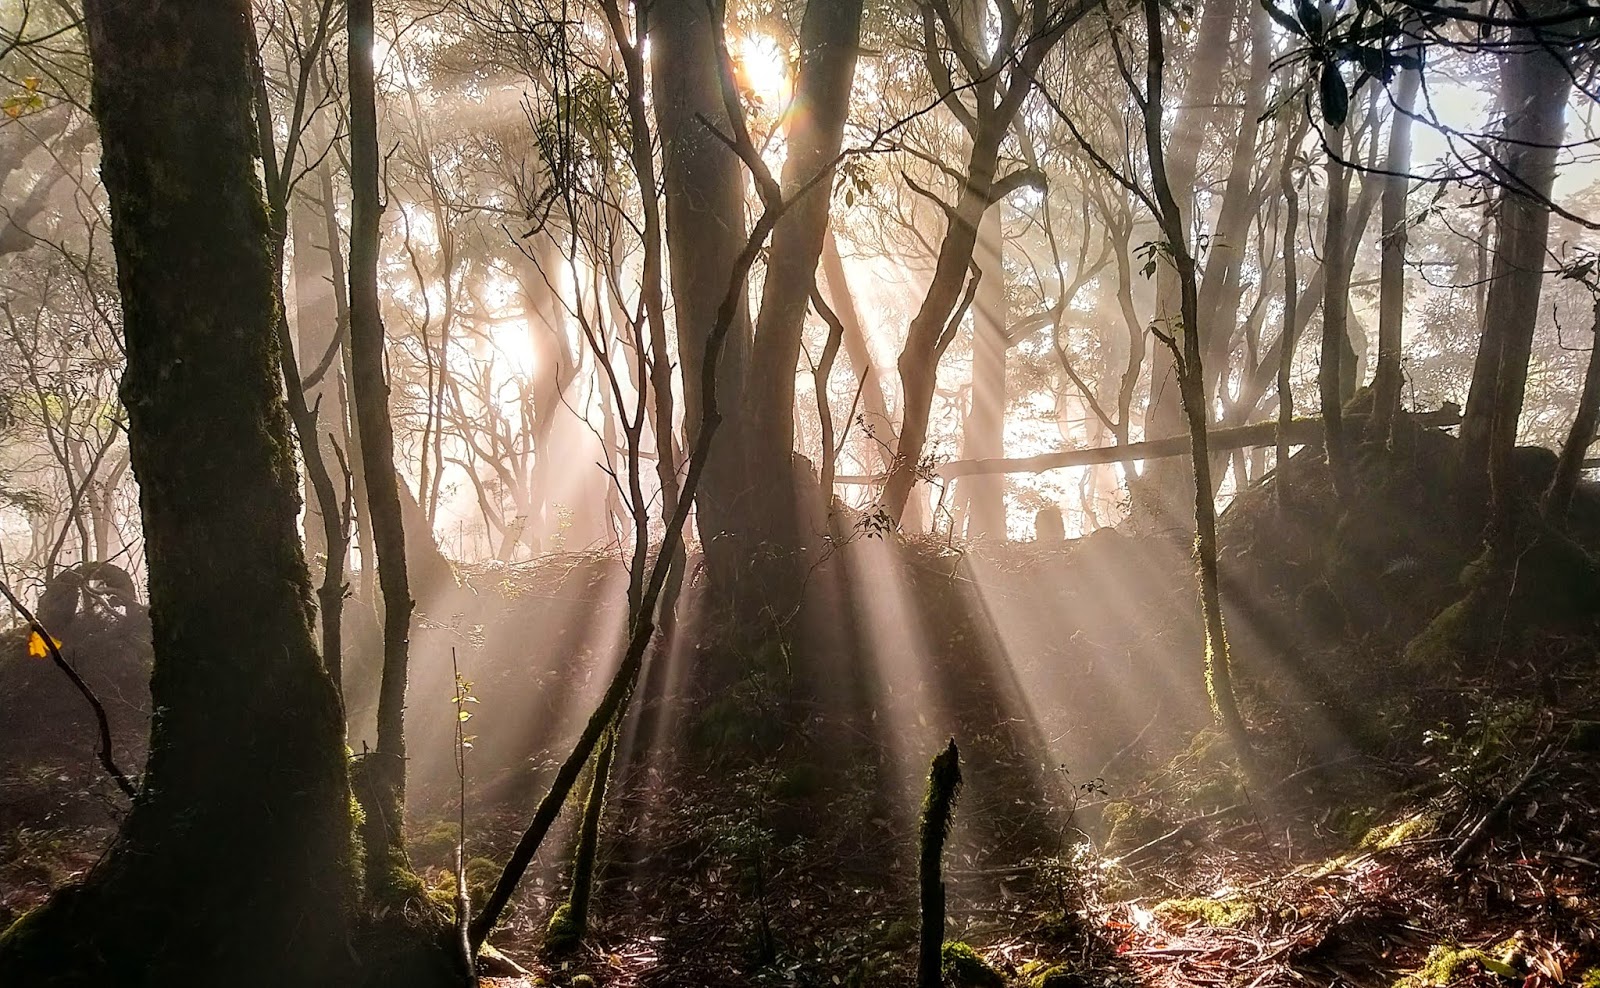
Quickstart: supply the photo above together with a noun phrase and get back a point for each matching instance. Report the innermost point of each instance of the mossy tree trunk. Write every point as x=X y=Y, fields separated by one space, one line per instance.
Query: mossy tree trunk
x=239 y=842
x=381 y=780
x=938 y=808
x=1183 y=341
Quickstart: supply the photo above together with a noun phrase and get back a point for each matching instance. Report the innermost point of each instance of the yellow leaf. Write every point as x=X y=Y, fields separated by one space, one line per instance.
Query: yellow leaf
x=36 y=646
x=31 y=83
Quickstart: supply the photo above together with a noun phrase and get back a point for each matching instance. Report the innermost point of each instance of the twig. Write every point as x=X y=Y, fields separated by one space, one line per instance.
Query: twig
x=1480 y=830
x=106 y=758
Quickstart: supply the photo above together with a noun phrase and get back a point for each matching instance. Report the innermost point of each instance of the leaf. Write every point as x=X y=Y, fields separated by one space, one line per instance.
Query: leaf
x=1310 y=16
x=37 y=648
x=31 y=83
x=1284 y=20
x=1335 y=98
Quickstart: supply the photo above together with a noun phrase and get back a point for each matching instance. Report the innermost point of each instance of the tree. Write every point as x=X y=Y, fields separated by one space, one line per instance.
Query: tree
x=1392 y=288
x=998 y=85
x=829 y=39
x=381 y=782
x=1535 y=80
x=242 y=826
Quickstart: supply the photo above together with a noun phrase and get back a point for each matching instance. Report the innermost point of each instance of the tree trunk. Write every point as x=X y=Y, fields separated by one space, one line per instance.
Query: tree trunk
x=1335 y=307
x=382 y=772
x=984 y=428
x=1222 y=288
x=1163 y=488
x=704 y=183
x=1535 y=83
x=1392 y=266
x=242 y=829
x=830 y=37
x=1291 y=302
x=1569 y=466
x=1188 y=356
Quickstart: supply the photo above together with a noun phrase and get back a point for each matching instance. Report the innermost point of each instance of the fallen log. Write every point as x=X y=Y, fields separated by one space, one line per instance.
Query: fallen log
x=1302 y=432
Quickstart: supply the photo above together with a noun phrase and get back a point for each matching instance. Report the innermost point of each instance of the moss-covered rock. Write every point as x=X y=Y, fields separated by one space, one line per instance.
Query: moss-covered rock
x=1129 y=825
x=436 y=845
x=900 y=933
x=966 y=968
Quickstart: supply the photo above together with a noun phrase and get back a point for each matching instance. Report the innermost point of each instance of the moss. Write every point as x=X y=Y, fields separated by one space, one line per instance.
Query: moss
x=1391 y=835
x=582 y=981
x=1057 y=976
x=900 y=933
x=966 y=968
x=562 y=934
x=1447 y=963
x=1219 y=913
x=1590 y=978
x=481 y=873
x=1449 y=638
x=1129 y=825
x=1355 y=823
x=436 y=845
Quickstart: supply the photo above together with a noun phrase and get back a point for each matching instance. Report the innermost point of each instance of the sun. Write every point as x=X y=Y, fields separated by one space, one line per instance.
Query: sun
x=764 y=69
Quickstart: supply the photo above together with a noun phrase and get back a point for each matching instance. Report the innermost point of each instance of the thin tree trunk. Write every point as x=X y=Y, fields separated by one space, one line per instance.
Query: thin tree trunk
x=1392 y=266
x=1191 y=378
x=382 y=771
x=1569 y=466
x=1335 y=307
x=984 y=427
x=1291 y=289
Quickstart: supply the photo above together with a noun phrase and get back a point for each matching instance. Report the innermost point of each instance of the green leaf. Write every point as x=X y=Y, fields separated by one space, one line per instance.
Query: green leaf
x=1335 y=98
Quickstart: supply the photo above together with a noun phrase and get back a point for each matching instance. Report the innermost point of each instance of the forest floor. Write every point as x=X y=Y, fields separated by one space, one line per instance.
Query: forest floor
x=1362 y=873
x=1415 y=823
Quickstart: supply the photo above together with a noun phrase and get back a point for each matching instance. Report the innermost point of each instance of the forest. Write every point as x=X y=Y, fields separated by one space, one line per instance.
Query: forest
x=699 y=493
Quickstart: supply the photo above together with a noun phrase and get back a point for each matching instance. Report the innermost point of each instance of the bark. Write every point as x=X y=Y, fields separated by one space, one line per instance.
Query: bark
x=1162 y=488
x=830 y=37
x=875 y=405
x=984 y=427
x=382 y=776
x=704 y=186
x=1221 y=289
x=243 y=826
x=1392 y=265
x=1291 y=288
x=1570 y=464
x=1535 y=82
x=938 y=809
x=1337 y=260
x=1187 y=354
